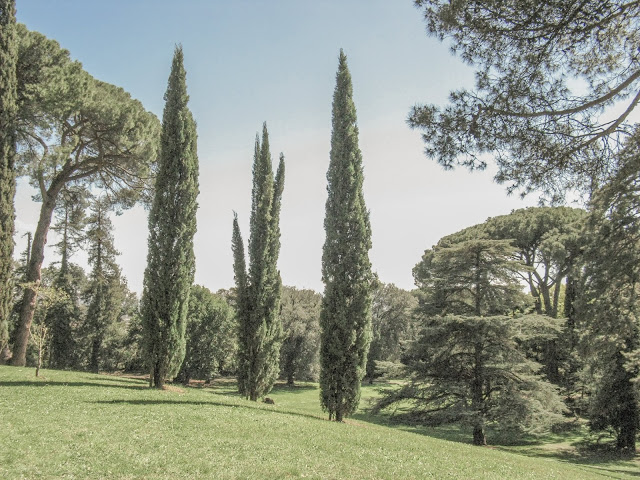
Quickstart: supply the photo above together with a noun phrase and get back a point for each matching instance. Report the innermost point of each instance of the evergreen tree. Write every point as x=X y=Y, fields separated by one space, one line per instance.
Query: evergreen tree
x=8 y=109
x=211 y=336
x=393 y=324
x=544 y=130
x=172 y=225
x=63 y=313
x=105 y=295
x=299 y=355
x=259 y=289
x=468 y=364
x=345 y=318
x=608 y=303
x=73 y=130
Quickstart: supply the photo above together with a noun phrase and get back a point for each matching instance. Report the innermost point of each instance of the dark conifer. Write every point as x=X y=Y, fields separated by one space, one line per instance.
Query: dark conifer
x=346 y=270
x=172 y=225
x=8 y=107
x=259 y=289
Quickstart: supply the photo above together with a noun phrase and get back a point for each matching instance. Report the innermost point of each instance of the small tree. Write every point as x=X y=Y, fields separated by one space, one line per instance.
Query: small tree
x=299 y=354
x=393 y=325
x=345 y=318
x=211 y=336
x=259 y=289
x=172 y=225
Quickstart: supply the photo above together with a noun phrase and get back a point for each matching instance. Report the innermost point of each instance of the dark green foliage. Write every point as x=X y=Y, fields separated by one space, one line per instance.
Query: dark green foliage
x=106 y=292
x=393 y=324
x=545 y=130
x=8 y=109
x=259 y=289
x=548 y=243
x=299 y=354
x=471 y=367
x=608 y=301
x=345 y=319
x=471 y=371
x=73 y=130
x=172 y=225
x=469 y=274
x=63 y=315
x=211 y=336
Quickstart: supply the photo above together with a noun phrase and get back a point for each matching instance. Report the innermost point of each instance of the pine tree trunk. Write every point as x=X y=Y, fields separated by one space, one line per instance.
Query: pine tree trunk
x=33 y=277
x=551 y=361
x=479 y=437
x=95 y=354
x=477 y=400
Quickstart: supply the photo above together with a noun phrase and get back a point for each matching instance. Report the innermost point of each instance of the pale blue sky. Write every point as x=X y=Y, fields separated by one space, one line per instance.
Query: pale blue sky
x=275 y=61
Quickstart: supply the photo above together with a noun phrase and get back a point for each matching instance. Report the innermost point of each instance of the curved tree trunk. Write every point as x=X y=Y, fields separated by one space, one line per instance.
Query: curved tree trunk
x=34 y=275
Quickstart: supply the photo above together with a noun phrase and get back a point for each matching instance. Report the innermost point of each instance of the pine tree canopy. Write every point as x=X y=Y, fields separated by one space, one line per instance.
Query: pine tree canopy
x=544 y=127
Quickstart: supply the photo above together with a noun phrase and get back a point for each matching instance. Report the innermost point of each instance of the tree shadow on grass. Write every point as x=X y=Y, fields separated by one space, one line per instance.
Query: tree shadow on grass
x=57 y=383
x=599 y=457
x=297 y=388
x=214 y=403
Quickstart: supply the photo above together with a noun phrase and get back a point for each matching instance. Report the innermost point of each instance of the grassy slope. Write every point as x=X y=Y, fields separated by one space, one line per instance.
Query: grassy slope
x=77 y=425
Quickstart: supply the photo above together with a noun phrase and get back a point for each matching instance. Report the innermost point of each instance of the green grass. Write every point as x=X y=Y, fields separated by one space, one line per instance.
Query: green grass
x=78 y=425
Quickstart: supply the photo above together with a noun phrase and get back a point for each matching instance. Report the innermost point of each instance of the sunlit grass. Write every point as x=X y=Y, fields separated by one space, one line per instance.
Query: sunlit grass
x=78 y=425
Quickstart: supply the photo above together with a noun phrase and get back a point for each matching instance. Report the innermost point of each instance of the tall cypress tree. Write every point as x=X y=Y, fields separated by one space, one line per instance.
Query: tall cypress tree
x=8 y=109
x=259 y=289
x=172 y=225
x=345 y=318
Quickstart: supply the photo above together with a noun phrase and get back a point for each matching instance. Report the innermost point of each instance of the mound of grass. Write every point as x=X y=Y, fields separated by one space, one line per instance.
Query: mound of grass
x=78 y=425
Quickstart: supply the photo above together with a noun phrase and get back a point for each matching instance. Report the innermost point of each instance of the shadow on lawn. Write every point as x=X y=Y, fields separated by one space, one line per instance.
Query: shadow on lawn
x=602 y=458
x=257 y=406
x=58 y=383
x=598 y=458
x=297 y=388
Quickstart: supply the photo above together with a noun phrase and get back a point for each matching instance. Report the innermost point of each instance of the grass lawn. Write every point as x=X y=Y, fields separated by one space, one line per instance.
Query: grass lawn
x=78 y=425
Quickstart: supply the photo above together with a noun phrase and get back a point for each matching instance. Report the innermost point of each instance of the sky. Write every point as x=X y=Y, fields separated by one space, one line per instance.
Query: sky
x=248 y=62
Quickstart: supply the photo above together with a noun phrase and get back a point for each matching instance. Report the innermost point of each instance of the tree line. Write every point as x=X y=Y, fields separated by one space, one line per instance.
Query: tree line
x=515 y=324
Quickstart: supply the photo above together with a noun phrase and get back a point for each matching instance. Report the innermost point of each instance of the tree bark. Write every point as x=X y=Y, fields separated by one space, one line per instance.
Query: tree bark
x=34 y=274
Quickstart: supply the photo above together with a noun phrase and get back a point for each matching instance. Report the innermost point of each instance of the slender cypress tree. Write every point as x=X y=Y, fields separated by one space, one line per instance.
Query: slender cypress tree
x=345 y=318
x=8 y=108
x=172 y=225
x=259 y=289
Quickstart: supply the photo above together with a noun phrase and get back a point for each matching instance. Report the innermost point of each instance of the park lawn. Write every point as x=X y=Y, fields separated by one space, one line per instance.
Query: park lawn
x=80 y=425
